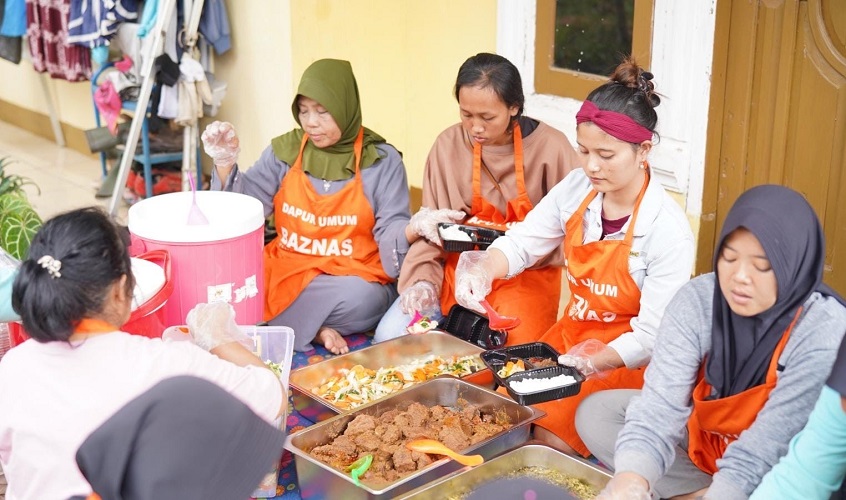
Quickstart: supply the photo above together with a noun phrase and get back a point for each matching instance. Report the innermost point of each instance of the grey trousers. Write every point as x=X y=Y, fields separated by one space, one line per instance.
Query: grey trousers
x=347 y=304
x=600 y=418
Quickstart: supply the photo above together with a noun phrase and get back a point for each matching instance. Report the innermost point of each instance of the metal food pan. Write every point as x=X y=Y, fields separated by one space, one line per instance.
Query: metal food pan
x=464 y=482
x=319 y=480
x=392 y=352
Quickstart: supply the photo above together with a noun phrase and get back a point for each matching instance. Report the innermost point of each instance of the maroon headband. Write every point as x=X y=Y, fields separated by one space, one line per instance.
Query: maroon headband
x=615 y=124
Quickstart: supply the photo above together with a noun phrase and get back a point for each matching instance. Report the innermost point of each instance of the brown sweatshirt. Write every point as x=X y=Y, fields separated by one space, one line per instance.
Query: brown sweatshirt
x=548 y=156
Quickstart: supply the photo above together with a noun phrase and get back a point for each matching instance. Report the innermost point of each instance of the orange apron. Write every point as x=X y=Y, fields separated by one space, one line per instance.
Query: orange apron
x=715 y=424
x=603 y=300
x=533 y=295
x=318 y=234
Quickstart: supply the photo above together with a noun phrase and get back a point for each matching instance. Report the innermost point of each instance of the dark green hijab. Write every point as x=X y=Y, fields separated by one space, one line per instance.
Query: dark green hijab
x=331 y=83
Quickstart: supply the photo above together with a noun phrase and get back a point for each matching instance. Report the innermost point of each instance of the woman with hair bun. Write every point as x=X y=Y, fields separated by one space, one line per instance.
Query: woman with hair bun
x=627 y=245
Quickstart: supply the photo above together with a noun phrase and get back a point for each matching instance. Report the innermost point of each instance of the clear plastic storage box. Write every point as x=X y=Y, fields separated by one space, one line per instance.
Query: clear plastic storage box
x=270 y=343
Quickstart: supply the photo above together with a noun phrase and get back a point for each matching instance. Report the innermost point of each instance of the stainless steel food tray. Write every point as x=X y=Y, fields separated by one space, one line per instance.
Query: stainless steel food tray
x=532 y=453
x=319 y=480
x=392 y=352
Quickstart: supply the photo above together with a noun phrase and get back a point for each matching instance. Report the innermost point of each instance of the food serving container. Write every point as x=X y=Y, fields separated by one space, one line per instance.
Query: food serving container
x=319 y=480
x=398 y=351
x=500 y=475
x=480 y=237
x=472 y=327
x=497 y=358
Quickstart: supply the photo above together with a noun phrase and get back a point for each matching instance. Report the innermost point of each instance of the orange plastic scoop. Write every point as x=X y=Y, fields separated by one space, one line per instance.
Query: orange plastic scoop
x=438 y=448
x=497 y=322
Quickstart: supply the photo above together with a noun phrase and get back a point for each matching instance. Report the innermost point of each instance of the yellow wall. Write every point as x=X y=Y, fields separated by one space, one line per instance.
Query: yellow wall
x=257 y=71
x=405 y=55
x=20 y=85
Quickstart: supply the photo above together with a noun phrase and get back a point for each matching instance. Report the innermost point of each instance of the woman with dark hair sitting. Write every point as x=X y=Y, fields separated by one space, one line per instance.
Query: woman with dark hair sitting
x=73 y=292
x=487 y=171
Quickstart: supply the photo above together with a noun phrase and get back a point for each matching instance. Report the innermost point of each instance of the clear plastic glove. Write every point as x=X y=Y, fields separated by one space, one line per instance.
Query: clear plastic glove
x=582 y=357
x=425 y=222
x=473 y=279
x=420 y=297
x=212 y=325
x=221 y=143
x=628 y=486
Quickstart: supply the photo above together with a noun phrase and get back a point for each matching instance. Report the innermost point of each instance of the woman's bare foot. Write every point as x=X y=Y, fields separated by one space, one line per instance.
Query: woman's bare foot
x=552 y=440
x=331 y=340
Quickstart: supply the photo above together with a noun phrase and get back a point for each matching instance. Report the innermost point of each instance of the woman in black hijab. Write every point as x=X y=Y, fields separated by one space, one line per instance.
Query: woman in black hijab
x=741 y=356
x=185 y=438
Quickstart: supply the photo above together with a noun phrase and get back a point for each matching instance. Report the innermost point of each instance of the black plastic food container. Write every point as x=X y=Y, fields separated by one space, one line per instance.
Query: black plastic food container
x=532 y=398
x=497 y=358
x=480 y=238
x=472 y=327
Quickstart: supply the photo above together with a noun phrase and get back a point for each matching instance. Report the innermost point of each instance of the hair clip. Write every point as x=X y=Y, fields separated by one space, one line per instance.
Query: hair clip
x=53 y=266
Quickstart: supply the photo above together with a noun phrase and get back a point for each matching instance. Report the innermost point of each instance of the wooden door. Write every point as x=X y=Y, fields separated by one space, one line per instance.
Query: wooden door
x=778 y=115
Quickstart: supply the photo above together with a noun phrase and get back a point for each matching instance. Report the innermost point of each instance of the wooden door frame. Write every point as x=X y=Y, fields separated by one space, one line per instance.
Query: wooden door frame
x=714 y=138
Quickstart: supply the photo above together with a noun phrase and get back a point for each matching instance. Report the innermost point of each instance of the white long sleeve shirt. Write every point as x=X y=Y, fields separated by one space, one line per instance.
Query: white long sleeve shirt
x=53 y=395
x=661 y=259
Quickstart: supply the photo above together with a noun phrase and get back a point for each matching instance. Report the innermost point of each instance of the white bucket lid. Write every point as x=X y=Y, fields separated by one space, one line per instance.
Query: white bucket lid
x=149 y=279
x=165 y=217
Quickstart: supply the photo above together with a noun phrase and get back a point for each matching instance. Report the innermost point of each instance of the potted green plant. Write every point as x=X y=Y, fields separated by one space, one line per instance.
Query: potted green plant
x=18 y=220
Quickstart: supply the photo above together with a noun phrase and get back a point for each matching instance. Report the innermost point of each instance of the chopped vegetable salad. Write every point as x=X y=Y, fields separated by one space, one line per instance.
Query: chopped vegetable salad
x=355 y=386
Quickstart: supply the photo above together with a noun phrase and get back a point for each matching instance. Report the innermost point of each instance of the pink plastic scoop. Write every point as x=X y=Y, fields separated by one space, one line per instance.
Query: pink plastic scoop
x=196 y=217
x=497 y=322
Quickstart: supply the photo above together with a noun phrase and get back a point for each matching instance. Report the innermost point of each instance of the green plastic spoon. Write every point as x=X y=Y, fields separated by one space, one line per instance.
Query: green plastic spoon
x=359 y=467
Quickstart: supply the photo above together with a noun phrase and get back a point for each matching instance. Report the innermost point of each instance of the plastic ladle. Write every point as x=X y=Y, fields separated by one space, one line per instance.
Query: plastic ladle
x=497 y=322
x=438 y=448
x=359 y=467
x=196 y=217
x=414 y=319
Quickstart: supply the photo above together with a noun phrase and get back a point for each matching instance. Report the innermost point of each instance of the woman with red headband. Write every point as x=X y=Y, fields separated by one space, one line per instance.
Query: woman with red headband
x=627 y=244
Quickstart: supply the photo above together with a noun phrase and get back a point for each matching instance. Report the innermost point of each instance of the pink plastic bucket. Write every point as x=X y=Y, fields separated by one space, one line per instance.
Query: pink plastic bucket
x=220 y=261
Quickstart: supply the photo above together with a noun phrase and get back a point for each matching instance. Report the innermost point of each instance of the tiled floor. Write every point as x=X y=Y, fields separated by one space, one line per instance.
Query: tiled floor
x=67 y=179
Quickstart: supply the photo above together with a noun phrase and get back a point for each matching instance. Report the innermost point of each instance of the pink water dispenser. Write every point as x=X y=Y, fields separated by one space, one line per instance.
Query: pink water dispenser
x=218 y=261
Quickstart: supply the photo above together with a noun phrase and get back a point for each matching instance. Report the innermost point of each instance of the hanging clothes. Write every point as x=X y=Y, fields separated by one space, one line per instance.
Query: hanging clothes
x=108 y=103
x=92 y=23
x=193 y=91
x=214 y=25
x=47 y=31
x=12 y=27
x=14 y=18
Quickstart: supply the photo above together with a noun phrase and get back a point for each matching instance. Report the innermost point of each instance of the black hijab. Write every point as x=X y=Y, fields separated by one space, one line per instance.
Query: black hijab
x=792 y=237
x=185 y=438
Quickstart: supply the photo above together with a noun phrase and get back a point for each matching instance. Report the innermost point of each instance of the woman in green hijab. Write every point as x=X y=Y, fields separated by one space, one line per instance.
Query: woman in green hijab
x=339 y=195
